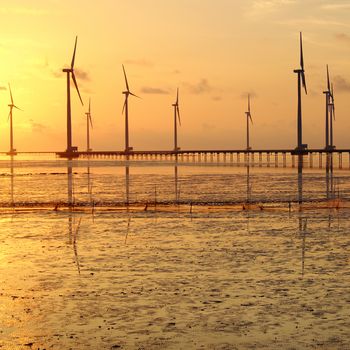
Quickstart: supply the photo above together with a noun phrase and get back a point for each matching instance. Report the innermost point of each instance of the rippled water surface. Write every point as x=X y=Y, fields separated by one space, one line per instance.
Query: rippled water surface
x=178 y=277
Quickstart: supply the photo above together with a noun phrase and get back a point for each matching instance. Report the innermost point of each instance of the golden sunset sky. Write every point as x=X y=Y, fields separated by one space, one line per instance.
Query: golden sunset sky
x=215 y=51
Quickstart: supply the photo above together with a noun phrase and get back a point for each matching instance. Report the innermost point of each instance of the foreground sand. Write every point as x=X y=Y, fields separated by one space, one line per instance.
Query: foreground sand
x=254 y=279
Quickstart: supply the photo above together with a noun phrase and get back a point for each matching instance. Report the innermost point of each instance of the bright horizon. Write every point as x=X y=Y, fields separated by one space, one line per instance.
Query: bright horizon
x=215 y=52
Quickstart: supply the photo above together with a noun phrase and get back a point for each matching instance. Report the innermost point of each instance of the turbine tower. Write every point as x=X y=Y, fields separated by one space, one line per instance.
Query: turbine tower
x=249 y=119
x=127 y=92
x=176 y=117
x=328 y=95
x=301 y=81
x=88 y=124
x=70 y=73
x=12 y=106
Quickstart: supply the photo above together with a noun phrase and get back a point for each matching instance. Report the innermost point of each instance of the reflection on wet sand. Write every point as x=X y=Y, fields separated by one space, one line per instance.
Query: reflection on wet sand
x=12 y=175
x=127 y=186
x=73 y=228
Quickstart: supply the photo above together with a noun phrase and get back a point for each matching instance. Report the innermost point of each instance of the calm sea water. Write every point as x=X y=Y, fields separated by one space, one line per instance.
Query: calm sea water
x=107 y=182
x=213 y=278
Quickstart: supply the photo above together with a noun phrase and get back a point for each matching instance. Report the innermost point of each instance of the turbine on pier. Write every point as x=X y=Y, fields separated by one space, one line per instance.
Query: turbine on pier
x=249 y=120
x=301 y=82
x=88 y=124
x=127 y=92
x=70 y=73
x=176 y=118
x=12 y=151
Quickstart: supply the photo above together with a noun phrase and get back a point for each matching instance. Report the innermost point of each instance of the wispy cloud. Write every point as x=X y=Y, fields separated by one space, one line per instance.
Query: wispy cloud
x=263 y=7
x=252 y=94
x=139 y=62
x=3 y=88
x=82 y=74
x=312 y=21
x=26 y=11
x=336 y=6
x=37 y=127
x=153 y=90
x=343 y=37
x=341 y=84
x=201 y=87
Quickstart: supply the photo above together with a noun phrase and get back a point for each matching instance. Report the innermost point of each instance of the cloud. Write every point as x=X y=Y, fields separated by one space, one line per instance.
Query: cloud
x=201 y=87
x=81 y=74
x=23 y=11
x=343 y=37
x=271 y=4
x=341 y=84
x=216 y=98
x=3 y=88
x=152 y=90
x=139 y=62
x=37 y=127
x=244 y=95
x=335 y=6
x=207 y=126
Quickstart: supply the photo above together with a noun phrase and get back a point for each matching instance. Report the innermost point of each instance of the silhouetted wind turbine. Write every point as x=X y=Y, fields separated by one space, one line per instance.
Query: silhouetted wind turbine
x=331 y=115
x=249 y=118
x=176 y=117
x=328 y=95
x=301 y=81
x=70 y=72
x=126 y=108
x=88 y=124
x=12 y=106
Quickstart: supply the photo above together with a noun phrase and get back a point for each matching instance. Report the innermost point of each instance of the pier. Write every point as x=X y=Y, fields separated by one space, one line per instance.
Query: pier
x=270 y=157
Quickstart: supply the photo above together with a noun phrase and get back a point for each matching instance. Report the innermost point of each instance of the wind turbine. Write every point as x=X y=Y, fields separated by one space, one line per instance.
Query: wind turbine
x=12 y=106
x=176 y=117
x=301 y=81
x=331 y=115
x=88 y=124
x=70 y=73
x=328 y=95
x=127 y=92
x=249 y=117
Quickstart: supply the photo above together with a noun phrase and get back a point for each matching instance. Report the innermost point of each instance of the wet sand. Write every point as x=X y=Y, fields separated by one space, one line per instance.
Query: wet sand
x=151 y=280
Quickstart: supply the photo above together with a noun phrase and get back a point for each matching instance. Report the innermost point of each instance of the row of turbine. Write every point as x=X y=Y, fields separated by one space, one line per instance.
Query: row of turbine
x=329 y=93
x=70 y=73
x=330 y=109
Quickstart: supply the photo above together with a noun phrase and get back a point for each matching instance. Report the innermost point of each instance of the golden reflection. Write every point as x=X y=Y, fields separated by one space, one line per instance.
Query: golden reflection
x=73 y=227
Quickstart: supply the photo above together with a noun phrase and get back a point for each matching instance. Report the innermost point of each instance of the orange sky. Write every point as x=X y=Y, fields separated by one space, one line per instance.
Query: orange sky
x=214 y=51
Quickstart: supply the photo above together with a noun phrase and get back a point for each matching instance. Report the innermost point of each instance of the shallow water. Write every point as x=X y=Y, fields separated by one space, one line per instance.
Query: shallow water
x=210 y=279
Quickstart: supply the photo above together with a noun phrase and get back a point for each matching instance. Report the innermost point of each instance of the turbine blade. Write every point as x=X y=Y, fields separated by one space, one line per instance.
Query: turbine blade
x=90 y=120
x=134 y=95
x=328 y=84
x=177 y=96
x=126 y=97
x=17 y=108
x=76 y=86
x=250 y=117
x=178 y=114
x=126 y=80
x=89 y=105
x=75 y=49
x=304 y=81
x=301 y=52
x=8 y=118
x=10 y=94
x=249 y=103
x=333 y=107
